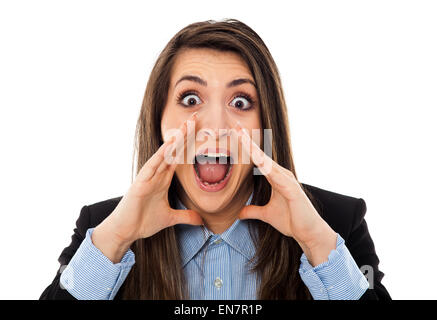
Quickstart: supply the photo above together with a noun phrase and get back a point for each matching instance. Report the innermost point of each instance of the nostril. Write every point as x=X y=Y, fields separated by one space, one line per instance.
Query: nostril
x=220 y=132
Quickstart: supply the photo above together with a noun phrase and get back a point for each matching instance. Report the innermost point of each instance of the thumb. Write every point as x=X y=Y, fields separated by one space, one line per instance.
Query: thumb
x=252 y=212
x=182 y=216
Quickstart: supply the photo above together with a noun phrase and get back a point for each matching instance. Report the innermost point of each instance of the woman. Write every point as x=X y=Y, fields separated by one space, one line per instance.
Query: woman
x=194 y=229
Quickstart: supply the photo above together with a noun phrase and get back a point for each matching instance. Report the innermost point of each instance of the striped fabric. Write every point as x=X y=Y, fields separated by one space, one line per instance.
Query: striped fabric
x=216 y=266
x=339 y=278
x=90 y=275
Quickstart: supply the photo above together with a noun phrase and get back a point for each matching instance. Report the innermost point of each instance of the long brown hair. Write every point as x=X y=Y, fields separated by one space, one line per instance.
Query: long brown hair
x=157 y=273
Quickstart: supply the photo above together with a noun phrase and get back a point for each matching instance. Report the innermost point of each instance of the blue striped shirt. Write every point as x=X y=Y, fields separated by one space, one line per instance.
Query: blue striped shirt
x=216 y=266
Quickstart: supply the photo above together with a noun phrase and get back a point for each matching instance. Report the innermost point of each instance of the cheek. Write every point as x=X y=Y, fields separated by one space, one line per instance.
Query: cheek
x=169 y=120
x=256 y=132
x=183 y=173
x=251 y=120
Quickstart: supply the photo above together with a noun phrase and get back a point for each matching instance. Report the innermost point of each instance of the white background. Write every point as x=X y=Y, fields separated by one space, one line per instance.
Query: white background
x=360 y=79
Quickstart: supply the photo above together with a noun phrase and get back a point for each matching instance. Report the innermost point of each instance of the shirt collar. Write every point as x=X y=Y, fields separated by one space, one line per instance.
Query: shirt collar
x=193 y=238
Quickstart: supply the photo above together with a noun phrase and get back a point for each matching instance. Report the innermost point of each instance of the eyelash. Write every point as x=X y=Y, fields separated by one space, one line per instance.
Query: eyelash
x=246 y=96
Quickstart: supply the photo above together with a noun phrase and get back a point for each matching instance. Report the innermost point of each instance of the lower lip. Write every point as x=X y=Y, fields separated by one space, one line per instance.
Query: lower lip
x=213 y=188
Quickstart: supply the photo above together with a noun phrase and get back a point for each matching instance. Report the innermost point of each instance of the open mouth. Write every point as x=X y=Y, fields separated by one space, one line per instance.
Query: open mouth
x=212 y=170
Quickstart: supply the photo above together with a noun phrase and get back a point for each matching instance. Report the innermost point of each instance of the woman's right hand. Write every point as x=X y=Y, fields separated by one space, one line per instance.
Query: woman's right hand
x=144 y=210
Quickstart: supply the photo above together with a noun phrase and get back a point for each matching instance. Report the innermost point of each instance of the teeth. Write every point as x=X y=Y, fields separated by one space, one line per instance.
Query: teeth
x=211 y=157
x=214 y=155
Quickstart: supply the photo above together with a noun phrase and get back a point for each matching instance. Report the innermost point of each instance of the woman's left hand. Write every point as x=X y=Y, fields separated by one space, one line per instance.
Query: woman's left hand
x=289 y=210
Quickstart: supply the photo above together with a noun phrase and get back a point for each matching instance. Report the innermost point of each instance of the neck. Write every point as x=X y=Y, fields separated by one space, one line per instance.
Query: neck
x=219 y=221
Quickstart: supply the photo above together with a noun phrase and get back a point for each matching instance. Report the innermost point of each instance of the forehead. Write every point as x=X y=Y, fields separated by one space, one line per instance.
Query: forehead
x=214 y=66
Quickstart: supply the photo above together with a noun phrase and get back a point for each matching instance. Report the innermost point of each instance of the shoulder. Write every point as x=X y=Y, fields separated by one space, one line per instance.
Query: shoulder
x=343 y=213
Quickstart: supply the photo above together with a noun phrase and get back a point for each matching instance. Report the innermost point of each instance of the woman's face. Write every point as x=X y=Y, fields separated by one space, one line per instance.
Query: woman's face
x=210 y=89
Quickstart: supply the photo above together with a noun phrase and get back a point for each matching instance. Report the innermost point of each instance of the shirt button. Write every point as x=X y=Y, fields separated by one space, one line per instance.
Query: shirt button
x=218 y=241
x=218 y=283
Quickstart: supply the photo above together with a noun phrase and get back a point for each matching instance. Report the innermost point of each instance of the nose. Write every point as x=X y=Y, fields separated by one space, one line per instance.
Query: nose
x=213 y=121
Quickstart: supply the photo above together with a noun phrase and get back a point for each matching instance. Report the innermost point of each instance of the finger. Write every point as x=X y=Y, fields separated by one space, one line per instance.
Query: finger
x=185 y=217
x=180 y=142
x=277 y=175
x=259 y=158
x=163 y=166
x=164 y=173
x=157 y=161
x=168 y=167
x=149 y=168
x=249 y=147
x=181 y=145
x=253 y=212
x=168 y=157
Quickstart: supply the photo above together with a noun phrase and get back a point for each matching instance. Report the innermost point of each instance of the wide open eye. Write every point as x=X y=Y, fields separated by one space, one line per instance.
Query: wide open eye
x=189 y=99
x=242 y=102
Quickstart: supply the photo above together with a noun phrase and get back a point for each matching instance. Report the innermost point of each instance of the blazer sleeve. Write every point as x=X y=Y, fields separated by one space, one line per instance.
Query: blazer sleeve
x=362 y=248
x=55 y=291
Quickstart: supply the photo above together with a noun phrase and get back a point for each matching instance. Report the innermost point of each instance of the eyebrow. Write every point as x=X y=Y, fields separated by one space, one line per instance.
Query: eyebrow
x=202 y=82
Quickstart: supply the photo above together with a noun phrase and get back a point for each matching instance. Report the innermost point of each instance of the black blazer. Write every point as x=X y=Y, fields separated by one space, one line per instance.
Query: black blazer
x=344 y=214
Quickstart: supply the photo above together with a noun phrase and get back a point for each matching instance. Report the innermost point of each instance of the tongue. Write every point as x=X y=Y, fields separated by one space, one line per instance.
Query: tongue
x=211 y=172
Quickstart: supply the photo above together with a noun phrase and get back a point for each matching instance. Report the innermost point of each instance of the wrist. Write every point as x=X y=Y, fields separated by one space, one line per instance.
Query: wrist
x=107 y=241
x=317 y=249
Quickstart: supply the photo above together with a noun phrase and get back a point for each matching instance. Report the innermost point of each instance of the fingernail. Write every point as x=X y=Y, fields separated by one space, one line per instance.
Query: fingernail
x=242 y=129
